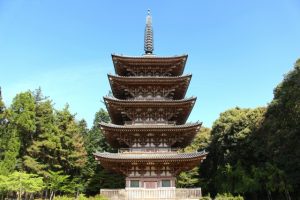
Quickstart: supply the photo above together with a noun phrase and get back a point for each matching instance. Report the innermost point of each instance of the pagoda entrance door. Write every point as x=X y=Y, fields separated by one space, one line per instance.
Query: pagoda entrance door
x=150 y=184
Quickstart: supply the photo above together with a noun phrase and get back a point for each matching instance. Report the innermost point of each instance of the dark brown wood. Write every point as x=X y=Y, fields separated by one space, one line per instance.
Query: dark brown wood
x=175 y=136
x=148 y=112
x=149 y=65
x=150 y=88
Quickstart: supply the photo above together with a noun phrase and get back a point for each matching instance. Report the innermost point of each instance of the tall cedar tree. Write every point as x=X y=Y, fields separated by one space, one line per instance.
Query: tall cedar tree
x=9 y=141
x=58 y=144
x=23 y=123
x=42 y=154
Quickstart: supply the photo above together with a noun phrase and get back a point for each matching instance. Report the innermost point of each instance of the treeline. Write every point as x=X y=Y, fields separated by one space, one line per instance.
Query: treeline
x=44 y=151
x=253 y=152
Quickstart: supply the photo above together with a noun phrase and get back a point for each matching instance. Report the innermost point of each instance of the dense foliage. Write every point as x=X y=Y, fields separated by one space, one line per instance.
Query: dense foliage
x=281 y=128
x=225 y=196
x=254 y=153
x=51 y=148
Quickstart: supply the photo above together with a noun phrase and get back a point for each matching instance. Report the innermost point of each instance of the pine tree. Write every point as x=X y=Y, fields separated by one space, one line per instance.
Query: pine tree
x=9 y=141
x=22 y=122
x=72 y=155
x=42 y=153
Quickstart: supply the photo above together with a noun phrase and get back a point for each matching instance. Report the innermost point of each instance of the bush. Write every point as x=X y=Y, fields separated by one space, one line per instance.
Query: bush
x=228 y=196
x=98 y=197
x=81 y=197
x=206 y=198
x=63 y=198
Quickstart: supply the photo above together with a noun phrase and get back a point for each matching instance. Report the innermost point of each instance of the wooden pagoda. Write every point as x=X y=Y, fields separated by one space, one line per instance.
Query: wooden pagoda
x=148 y=112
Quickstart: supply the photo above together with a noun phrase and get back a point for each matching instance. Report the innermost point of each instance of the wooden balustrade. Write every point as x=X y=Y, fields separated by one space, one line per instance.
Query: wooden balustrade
x=148 y=149
x=152 y=194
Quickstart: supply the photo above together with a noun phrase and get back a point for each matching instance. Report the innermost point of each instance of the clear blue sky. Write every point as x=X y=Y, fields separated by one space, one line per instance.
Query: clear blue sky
x=238 y=50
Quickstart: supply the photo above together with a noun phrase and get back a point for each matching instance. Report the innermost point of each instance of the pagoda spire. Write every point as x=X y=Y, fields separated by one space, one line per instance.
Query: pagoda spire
x=148 y=40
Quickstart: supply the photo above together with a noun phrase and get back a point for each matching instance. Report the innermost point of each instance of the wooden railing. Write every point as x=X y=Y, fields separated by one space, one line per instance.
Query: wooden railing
x=148 y=149
x=151 y=122
x=152 y=194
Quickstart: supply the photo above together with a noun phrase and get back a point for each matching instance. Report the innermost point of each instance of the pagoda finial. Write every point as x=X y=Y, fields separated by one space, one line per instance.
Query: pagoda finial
x=148 y=40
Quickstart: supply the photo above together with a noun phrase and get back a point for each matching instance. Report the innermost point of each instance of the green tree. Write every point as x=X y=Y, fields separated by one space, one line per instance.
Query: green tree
x=72 y=155
x=191 y=178
x=56 y=181
x=201 y=140
x=232 y=151
x=98 y=177
x=9 y=141
x=10 y=145
x=188 y=179
x=280 y=132
x=234 y=179
x=23 y=183
x=42 y=152
x=58 y=143
x=4 y=187
x=23 y=122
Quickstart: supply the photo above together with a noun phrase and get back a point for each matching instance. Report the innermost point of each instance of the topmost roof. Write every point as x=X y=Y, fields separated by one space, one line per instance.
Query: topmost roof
x=148 y=57
x=149 y=65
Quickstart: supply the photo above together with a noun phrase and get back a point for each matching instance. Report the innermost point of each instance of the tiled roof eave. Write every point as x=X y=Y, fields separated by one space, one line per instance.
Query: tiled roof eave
x=154 y=57
x=149 y=102
x=151 y=78
x=123 y=157
x=150 y=127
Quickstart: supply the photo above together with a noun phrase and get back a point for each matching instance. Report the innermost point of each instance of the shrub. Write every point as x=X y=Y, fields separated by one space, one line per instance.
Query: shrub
x=63 y=198
x=228 y=196
x=82 y=197
x=206 y=198
x=98 y=197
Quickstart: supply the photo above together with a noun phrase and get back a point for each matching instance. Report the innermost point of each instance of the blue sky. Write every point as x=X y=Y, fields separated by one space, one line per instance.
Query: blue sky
x=238 y=50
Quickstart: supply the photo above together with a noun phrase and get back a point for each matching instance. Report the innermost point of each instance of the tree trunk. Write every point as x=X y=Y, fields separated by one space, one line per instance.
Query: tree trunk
x=19 y=195
x=77 y=193
x=52 y=195
x=287 y=194
x=46 y=194
x=269 y=195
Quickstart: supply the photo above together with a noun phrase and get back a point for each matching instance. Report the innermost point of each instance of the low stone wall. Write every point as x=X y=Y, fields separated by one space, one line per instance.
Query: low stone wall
x=152 y=194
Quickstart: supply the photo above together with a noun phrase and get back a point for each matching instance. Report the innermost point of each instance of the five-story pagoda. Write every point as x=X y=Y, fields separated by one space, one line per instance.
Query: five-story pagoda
x=148 y=112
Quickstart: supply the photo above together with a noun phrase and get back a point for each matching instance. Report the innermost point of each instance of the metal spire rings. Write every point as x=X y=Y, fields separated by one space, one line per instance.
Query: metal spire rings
x=148 y=40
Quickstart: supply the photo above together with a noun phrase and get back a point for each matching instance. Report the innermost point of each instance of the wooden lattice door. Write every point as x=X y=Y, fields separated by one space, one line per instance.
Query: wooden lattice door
x=150 y=184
